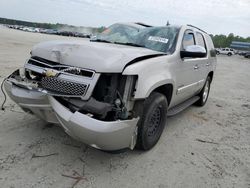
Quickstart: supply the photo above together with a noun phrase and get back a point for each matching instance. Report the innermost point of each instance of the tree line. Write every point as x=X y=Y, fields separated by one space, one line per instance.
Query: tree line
x=222 y=41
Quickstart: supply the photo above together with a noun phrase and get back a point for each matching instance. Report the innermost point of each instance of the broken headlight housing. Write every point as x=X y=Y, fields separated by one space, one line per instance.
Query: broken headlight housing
x=110 y=100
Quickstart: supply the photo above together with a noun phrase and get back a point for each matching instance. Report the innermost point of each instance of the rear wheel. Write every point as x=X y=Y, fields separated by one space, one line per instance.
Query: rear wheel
x=152 y=121
x=204 y=93
x=229 y=54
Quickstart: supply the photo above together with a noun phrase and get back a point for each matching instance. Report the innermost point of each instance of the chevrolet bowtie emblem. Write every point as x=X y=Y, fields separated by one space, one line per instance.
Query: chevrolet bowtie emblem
x=51 y=73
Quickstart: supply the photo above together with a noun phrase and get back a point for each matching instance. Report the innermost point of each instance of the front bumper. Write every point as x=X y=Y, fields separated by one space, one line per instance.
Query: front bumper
x=105 y=135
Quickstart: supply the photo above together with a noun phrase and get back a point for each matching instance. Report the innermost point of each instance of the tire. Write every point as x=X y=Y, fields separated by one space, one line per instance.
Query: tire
x=217 y=53
x=229 y=54
x=152 y=121
x=204 y=93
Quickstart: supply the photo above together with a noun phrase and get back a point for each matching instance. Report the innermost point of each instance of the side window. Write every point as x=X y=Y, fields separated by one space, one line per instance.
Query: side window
x=200 y=40
x=188 y=39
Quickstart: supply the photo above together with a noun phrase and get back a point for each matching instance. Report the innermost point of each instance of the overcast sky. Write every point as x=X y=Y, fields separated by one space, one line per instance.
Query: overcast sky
x=214 y=16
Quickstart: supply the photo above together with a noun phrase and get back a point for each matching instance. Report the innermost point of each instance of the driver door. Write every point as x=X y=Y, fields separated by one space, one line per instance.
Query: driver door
x=187 y=74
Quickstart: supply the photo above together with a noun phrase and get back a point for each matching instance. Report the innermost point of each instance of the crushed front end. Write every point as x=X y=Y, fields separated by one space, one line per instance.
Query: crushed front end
x=95 y=108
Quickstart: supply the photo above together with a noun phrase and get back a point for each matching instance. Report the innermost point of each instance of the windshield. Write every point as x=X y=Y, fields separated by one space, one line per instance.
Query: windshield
x=160 y=39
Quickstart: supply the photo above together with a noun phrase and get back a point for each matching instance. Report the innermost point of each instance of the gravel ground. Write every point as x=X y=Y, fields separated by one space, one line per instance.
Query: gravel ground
x=200 y=147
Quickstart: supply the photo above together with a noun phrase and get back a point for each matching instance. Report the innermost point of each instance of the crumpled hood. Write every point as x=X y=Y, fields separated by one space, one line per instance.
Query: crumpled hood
x=100 y=57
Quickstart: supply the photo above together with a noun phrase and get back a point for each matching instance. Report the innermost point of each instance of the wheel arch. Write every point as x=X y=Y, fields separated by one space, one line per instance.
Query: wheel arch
x=166 y=90
x=211 y=75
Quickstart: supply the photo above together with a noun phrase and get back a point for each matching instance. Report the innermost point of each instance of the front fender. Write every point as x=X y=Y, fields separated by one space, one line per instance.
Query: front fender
x=151 y=75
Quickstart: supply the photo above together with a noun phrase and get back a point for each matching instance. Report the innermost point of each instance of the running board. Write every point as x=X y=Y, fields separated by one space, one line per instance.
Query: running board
x=182 y=106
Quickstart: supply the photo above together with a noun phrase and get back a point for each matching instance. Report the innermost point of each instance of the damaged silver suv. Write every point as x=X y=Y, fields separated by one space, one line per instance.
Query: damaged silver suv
x=116 y=90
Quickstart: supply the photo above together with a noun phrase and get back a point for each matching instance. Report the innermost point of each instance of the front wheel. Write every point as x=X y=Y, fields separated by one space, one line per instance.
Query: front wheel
x=229 y=54
x=152 y=121
x=204 y=93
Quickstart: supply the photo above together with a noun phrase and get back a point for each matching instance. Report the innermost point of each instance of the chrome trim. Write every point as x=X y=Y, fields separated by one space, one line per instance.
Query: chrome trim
x=183 y=88
x=61 y=66
x=52 y=66
x=201 y=81
x=35 y=68
x=90 y=81
x=34 y=87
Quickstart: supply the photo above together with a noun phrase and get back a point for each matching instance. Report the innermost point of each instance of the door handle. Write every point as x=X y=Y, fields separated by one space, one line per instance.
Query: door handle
x=196 y=67
x=208 y=64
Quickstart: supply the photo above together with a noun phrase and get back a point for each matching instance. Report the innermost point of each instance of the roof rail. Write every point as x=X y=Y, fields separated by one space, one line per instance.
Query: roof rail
x=196 y=28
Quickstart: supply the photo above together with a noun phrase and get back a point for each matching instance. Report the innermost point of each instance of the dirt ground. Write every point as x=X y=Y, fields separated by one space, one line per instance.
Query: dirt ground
x=200 y=147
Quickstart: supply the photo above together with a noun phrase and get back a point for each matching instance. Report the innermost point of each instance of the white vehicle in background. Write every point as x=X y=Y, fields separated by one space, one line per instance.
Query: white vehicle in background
x=225 y=51
x=36 y=30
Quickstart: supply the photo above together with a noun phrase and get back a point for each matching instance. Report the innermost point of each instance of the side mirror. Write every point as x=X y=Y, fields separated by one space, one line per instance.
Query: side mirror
x=194 y=51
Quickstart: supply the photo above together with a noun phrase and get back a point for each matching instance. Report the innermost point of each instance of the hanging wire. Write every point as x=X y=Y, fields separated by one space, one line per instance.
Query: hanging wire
x=5 y=97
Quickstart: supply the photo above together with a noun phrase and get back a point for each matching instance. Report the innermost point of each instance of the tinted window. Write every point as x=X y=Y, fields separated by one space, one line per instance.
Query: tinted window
x=200 y=40
x=188 y=39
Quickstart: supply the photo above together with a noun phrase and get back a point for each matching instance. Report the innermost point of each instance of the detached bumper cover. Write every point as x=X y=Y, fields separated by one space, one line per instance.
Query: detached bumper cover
x=103 y=135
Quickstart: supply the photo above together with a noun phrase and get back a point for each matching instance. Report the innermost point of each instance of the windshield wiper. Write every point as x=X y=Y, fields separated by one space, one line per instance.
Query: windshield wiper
x=129 y=44
x=100 y=40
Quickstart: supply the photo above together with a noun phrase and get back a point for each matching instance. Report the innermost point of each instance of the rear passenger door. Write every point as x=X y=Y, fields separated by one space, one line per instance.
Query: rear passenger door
x=203 y=63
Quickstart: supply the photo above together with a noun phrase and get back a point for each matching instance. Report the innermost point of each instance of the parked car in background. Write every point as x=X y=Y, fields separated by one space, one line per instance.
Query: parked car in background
x=82 y=35
x=116 y=90
x=242 y=53
x=66 y=33
x=247 y=55
x=52 y=31
x=225 y=51
x=29 y=29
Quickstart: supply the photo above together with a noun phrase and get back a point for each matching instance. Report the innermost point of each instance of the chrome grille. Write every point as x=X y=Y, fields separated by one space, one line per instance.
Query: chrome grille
x=65 y=87
x=43 y=63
